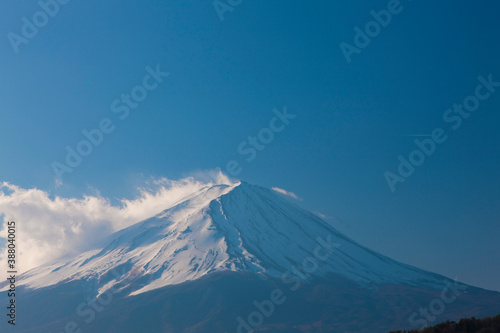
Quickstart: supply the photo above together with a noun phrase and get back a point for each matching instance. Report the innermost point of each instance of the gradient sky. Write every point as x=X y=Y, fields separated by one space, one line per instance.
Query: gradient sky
x=353 y=120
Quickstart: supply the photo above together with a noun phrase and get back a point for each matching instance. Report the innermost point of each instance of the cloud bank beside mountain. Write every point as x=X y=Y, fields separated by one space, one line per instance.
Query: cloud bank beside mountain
x=49 y=228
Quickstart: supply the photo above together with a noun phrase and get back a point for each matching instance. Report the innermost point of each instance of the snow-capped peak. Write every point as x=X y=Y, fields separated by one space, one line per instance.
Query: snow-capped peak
x=238 y=227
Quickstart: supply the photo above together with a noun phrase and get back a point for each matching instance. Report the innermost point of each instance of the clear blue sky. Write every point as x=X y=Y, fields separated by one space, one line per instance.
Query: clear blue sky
x=353 y=120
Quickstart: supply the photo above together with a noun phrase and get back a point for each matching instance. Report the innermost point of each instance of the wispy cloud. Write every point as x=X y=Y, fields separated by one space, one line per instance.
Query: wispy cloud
x=323 y=216
x=287 y=193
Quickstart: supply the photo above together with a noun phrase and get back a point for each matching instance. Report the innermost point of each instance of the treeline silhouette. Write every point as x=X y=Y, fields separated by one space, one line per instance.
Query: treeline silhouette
x=467 y=325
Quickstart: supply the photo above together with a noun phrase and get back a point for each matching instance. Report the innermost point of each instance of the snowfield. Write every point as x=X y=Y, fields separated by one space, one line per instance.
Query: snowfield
x=239 y=227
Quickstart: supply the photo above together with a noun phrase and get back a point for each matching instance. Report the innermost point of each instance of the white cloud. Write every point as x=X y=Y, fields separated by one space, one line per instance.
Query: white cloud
x=323 y=216
x=285 y=192
x=49 y=228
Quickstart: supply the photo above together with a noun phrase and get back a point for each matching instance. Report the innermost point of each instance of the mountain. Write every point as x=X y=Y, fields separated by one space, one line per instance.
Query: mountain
x=235 y=258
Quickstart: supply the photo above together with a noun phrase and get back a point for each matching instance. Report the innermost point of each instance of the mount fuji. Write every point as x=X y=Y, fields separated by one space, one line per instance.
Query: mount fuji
x=237 y=258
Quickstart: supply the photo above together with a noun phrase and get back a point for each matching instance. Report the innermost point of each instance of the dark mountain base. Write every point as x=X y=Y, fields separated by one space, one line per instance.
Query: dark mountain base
x=236 y=302
x=473 y=325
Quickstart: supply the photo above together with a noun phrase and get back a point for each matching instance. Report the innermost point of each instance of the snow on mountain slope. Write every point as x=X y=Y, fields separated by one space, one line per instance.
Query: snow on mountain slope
x=239 y=227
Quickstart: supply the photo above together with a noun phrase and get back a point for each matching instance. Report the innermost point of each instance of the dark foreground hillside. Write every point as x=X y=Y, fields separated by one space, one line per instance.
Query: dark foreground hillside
x=468 y=325
x=229 y=302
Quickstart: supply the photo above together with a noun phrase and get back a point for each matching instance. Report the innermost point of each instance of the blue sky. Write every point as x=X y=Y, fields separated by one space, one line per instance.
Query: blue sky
x=352 y=120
